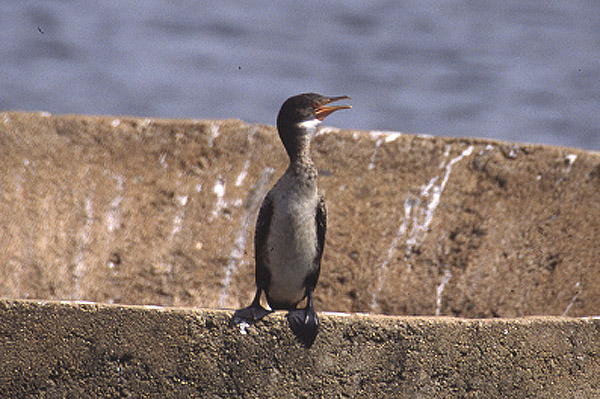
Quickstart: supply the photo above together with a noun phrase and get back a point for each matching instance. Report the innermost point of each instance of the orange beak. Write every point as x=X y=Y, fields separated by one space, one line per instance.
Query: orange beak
x=322 y=110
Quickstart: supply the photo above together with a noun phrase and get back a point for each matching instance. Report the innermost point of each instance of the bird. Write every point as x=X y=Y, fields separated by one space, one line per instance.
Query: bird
x=292 y=221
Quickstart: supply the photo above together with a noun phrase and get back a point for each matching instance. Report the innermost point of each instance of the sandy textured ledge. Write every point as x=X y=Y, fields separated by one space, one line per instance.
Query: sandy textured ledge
x=53 y=349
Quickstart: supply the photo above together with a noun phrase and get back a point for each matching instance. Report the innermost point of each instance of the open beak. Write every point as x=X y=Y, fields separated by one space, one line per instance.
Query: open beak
x=322 y=110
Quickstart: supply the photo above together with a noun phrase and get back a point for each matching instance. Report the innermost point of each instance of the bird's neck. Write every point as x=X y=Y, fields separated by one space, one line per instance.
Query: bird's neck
x=297 y=141
x=301 y=164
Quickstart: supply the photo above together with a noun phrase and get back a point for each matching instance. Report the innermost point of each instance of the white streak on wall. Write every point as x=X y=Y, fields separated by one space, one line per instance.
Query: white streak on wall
x=572 y=300
x=387 y=135
x=219 y=190
x=391 y=136
x=113 y=219
x=421 y=225
x=377 y=145
x=440 y=291
x=214 y=133
x=408 y=205
x=569 y=159
x=182 y=199
x=381 y=137
x=243 y=174
x=418 y=216
x=180 y=215
x=82 y=247
x=251 y=206
x=163 y=161
x=327 y=130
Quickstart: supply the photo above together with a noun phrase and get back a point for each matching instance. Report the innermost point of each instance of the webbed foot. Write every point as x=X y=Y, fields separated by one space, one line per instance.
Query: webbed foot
x=304 y=324
x=251 y=314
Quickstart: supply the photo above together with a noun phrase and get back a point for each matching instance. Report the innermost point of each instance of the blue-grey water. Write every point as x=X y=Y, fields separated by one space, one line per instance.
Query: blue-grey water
x=511 y=69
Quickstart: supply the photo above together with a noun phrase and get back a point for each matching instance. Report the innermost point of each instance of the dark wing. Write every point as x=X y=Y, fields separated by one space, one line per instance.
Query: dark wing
x=321 y=227
x=321 y=221
x=261 y=253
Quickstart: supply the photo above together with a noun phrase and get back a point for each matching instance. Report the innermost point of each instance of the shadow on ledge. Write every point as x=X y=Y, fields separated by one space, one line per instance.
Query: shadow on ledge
x=52 y=349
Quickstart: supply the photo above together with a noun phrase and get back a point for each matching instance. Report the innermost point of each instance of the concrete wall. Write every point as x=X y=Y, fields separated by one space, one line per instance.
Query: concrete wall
x=83 y=350
x=143 y=211
x=161 y=212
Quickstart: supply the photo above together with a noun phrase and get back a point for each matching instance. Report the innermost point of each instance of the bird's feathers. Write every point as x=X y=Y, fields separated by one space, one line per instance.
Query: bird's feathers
x=263 y=222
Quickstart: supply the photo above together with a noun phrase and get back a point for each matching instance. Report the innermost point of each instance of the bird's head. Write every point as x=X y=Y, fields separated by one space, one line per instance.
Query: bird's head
x=300 y=115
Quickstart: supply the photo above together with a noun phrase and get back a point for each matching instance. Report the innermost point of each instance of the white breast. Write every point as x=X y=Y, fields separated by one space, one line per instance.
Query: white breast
x=292 y=241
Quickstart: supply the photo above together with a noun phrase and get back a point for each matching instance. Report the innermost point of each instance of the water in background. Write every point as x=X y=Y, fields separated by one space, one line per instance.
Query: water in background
x=513 y=70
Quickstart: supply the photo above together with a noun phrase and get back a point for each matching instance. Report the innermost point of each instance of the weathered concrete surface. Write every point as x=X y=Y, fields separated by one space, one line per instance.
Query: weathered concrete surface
x=78 y=350
x=142 y=211
x=160 y=212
